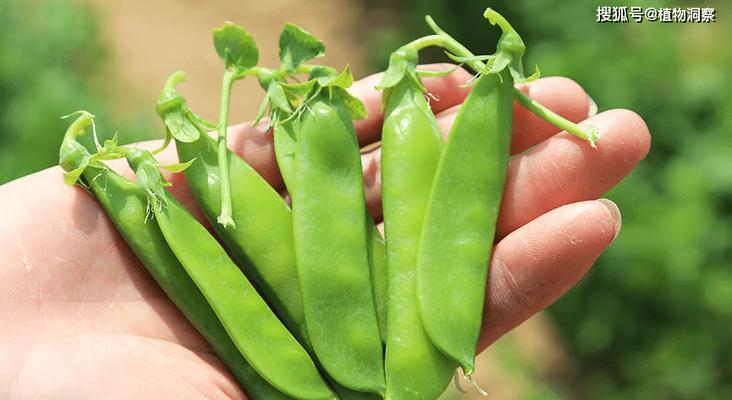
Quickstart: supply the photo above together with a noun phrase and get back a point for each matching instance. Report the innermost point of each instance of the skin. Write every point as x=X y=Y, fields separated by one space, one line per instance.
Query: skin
x=125 y=204
x=75 y=301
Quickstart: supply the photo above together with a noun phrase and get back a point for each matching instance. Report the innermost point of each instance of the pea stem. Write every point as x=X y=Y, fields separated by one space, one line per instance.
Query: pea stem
x=590 y=134
x=227 y=82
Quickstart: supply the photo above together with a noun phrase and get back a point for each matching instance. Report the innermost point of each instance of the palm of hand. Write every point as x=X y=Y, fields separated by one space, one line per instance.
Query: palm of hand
x=81 y=318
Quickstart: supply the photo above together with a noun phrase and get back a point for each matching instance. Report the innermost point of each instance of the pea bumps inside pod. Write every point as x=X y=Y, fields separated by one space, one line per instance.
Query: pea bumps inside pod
x=318 y=155
x=126 y=205
x=410 y=151
x=255 y=330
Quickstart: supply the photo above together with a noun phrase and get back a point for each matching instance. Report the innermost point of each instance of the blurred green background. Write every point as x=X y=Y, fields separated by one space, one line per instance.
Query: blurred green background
x=652 y=320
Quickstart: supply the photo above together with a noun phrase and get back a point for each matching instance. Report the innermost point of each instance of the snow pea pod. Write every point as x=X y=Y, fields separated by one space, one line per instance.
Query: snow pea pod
x=410 y=151
x=125 y=203
x=284 y=140
x=463 y=209
x=253 y=327
x=262 y=243
x=329 y=227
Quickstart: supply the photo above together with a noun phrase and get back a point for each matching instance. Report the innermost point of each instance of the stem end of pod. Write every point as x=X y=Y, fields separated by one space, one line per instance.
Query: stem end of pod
x=226 y=221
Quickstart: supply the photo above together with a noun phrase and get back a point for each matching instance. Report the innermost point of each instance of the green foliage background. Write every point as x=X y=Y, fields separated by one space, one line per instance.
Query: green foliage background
x=653 y=319
x=50 y=54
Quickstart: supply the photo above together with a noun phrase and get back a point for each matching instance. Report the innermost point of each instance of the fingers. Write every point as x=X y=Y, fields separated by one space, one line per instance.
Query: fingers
x=561 y=170
x=561 y=95
x=539 y=262
x=565 y=169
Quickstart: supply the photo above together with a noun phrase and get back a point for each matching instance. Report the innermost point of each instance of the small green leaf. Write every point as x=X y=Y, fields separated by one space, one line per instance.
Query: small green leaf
x=518 y=76
x=71 y=177
x=320 y=72
x=356 y=109
x=298 y=46
x=343 y=80
x=278 y=98
x=180 y=126
x=300 y=88
x=497 y=64
x=235 y=46
x=262 y=111
x=179 y=167
x=401 y=62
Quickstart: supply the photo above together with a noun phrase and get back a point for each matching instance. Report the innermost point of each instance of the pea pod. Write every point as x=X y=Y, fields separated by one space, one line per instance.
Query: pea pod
x=251 y=324
x=463 y=208
x=284 y=139
x=329 y=227
x=126 y=205
x=262 y=243
x=410 y=151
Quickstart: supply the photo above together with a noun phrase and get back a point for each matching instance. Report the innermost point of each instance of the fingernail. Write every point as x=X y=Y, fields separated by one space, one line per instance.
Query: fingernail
x=615 y=212
x=592 y=109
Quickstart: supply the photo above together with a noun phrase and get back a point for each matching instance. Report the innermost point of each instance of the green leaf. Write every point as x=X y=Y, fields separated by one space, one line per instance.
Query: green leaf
x=262 y=111
x=180 y=126
x=235 y=46
x=278 y=98
x=298 y=46
x=300 y=88
x=71 y=177
x=322 y=71
x=179 y=167
x=356 y=109
x=343 y=80
x=401 y=62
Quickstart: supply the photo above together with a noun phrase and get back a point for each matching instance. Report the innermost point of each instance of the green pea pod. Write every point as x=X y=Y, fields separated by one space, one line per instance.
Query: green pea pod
x=126 y=205
x=284 y=139
x=410 y=151
x=463 y=208
x=253 y=327
x=262 y=243
x=329 y=227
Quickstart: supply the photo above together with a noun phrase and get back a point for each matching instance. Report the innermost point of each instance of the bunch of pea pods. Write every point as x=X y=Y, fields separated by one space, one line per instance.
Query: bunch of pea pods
x=309 y=301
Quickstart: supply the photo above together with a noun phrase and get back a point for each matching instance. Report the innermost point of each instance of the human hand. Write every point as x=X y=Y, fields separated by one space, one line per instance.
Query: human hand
x=81 y=316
